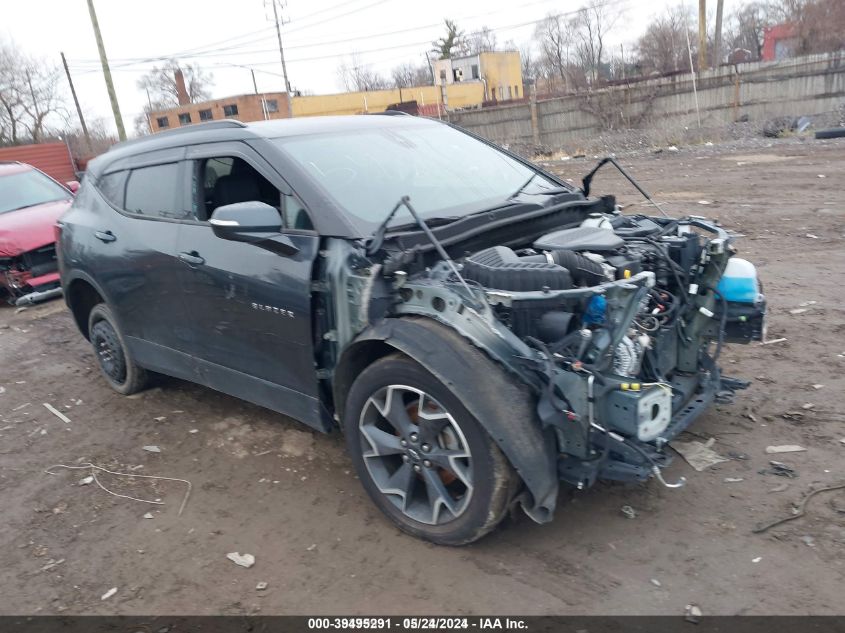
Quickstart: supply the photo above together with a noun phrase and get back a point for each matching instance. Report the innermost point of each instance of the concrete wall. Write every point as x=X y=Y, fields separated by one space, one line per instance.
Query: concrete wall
x=759 y=91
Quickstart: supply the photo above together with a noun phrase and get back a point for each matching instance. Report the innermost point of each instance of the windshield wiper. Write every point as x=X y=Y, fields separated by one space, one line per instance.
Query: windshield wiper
x=543 y=192
x=437 y=221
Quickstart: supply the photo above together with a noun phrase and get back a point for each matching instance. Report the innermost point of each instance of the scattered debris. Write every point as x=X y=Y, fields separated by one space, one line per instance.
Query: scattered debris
x=699 y=456
x=733 y=480
x=56 y=412
x=807 y=406
x=811 y=236
x=629 y=512
x=774 y=341
x=160 y=418
x=757 y=560
x=656 y=582
x=52 y=564
x=780 y=488
x=818 y=386
x=808 y=540
x=109 y=593
x=311 y=547
x=149 y=515
x=261 y=586
x=780 y=469
x=795 y=416
x=739 y=456
x=804 y=304
x=842 y=440
x=802 y=508
x=152 y=449
x=244 y=560
x=786 y=448
x=94 y=468
x=692 y=613
x=194 y=431
x=705 y=202
x=798 y=310
x=86 y=480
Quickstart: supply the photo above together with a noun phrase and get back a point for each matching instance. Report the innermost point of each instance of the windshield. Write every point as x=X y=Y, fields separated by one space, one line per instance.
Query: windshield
x=445 y=172
x=27 y=189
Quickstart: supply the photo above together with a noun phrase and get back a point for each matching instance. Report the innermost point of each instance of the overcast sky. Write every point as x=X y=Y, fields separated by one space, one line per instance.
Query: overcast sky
x=227 y=38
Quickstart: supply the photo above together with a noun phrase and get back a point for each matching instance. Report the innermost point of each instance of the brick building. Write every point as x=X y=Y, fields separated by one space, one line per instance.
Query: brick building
x=249 y=107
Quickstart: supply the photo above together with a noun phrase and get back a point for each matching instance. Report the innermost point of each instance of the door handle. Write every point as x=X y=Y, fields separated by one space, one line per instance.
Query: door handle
x=105 y=236
x=192 y=258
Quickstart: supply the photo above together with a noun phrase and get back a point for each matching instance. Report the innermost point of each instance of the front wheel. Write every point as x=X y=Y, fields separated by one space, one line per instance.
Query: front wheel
x=422 y=457
x=113 y=357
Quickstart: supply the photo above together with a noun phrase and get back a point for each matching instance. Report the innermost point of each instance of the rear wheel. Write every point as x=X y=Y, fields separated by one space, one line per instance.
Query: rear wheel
x=422 y=457
x=113 y=357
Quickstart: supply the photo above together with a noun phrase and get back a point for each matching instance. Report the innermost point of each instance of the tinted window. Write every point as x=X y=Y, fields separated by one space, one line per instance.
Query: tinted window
x=156 y=191
x=228 y=180
x=205 y=115
x=163 y=121
x=230 y=110
x=184 y=118
x=27 y=189
x=113 y=186
x=296 y=217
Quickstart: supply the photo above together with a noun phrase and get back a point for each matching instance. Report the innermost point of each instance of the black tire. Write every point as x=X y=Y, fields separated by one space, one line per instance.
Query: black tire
x=113 y=357
x=833 y=132
x=467 y=517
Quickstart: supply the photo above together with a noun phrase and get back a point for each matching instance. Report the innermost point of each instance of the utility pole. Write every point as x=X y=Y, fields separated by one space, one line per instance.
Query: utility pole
x=282 y=56
x=702 y=35
x=76 y=101
x=104 y=62
x=717 y=39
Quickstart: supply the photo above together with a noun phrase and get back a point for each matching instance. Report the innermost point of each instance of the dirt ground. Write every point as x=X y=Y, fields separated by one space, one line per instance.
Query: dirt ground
x=265 y=485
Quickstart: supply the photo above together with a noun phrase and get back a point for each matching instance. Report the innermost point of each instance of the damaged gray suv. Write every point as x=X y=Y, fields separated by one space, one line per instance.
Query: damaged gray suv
x=479 y=329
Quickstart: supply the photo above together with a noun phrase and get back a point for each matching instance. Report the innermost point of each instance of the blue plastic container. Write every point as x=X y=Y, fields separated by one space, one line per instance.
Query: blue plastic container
x=739 y=283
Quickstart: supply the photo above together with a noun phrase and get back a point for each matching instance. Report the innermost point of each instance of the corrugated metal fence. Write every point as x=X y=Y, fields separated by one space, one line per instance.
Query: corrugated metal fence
x=52 y=158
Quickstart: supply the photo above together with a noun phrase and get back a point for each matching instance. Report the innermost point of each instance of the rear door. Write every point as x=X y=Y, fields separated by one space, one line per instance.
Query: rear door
x=249 y=308
x=132 y=246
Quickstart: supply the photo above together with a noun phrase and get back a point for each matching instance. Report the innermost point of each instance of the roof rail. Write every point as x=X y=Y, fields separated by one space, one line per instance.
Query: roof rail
x=393 y=113
x=10 y=162
x=187 y=129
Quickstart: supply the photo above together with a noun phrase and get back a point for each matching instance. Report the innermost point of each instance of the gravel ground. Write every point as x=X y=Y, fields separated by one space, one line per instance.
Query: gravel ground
x=264 y=485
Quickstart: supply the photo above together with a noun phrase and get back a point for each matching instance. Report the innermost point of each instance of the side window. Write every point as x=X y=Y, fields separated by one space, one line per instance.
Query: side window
x=113 y=186
x=156 y=191
x=227 y=180
x=296 y=217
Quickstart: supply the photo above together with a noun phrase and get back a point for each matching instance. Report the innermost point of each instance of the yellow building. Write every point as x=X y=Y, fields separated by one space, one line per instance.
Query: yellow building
x=499 y=72
x=465 y=95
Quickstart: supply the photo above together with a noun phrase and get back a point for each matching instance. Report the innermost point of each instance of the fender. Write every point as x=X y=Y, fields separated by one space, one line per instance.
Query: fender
x=504 y=407
x=66 y=281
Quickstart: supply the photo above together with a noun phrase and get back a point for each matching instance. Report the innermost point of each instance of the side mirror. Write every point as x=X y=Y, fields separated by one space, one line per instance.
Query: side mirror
x=73 y=185
x=253 y=222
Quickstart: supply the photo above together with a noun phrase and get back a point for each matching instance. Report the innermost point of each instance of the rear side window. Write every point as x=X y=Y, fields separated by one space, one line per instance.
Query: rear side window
x=156 y=191
x=113 y=187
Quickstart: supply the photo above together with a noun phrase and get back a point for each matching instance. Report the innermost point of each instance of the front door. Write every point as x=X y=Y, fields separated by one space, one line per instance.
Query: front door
x=249 y=308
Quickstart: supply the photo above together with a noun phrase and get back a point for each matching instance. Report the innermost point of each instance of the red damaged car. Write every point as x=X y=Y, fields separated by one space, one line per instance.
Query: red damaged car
x=30 y=204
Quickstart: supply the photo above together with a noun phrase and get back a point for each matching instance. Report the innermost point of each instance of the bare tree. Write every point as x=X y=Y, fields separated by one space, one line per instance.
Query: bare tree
x=161 y=83
x=592 y=24
x=481 y=41
x=663 y=46
x=556 y=39
x=445 y=46
x=30 y=97
x=819 y=25
x=360 y=77
x=747 y=24
x=408 y=75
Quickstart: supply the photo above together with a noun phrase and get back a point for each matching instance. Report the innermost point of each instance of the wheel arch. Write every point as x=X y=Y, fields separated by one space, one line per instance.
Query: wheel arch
x=81 y=295
x=503 y=406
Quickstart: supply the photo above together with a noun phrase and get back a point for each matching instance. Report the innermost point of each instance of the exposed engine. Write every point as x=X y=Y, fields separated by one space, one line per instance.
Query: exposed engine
x=638 y=336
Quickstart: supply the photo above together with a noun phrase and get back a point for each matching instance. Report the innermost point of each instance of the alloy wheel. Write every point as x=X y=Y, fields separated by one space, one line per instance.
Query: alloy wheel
x=416 y=454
